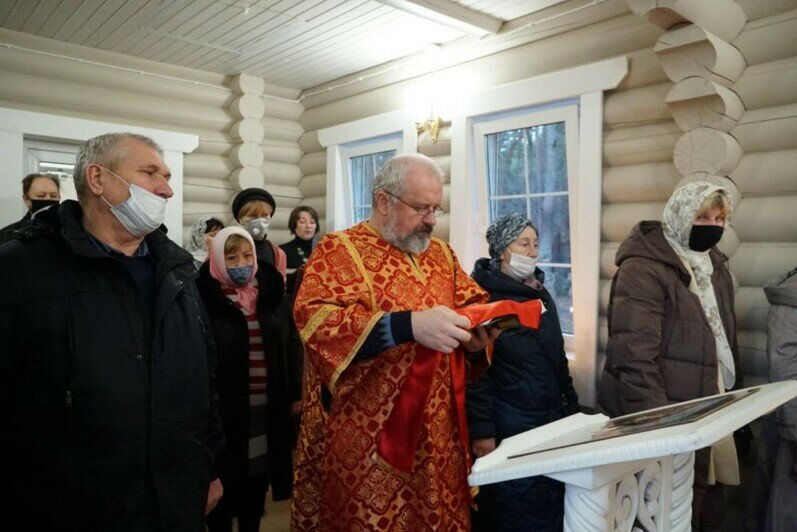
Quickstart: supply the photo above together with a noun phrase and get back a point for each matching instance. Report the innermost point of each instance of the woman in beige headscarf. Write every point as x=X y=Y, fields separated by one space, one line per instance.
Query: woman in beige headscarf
x=672 y=332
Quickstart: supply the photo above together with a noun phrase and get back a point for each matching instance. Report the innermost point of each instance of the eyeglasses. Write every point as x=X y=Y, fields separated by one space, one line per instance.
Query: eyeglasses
x=420 y=211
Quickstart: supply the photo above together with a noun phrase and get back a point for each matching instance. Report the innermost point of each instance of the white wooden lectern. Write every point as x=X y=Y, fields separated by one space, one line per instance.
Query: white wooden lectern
x=633 y=472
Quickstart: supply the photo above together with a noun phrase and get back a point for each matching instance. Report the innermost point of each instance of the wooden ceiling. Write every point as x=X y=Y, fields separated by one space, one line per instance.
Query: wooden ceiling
x=291 y=43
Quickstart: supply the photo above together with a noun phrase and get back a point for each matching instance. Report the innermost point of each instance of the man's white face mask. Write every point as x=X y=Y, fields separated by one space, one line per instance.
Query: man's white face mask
x=141 y=213
x=521 y=266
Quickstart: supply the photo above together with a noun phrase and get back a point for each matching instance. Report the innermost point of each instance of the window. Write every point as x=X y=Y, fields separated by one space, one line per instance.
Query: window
x=527 y=160
x=356 y=151
x=362 y=170
x=538 y=108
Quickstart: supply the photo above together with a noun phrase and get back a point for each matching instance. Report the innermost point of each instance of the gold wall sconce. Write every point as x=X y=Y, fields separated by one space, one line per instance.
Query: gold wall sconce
x=430 y=126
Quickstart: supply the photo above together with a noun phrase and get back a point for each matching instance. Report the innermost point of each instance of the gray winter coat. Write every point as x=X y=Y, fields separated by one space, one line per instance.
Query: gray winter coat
x=782 y=346
x=771 y=505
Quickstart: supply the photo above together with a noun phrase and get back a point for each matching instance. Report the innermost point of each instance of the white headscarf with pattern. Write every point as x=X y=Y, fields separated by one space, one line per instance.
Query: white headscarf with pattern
x=679 y=216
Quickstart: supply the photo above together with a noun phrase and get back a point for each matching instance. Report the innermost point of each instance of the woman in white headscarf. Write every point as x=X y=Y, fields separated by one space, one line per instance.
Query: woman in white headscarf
x=202 y=232
x=672 y=332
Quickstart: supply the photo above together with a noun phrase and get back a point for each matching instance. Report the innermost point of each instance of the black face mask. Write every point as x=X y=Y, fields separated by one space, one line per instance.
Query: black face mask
x=704 y=237
x=38 y=204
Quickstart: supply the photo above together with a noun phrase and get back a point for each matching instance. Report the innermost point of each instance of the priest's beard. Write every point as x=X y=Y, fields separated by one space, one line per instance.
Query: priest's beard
x=416 y=242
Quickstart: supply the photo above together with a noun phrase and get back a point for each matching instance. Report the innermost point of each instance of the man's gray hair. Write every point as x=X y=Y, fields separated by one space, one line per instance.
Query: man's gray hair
x=392 y=177
x=102 y=150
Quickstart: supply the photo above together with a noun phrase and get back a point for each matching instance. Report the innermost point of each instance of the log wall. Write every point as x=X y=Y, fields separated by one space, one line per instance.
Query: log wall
x=43 y=75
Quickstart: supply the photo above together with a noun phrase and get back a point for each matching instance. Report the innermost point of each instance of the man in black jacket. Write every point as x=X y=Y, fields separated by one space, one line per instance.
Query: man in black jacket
x=108 y=412
x=39 y=191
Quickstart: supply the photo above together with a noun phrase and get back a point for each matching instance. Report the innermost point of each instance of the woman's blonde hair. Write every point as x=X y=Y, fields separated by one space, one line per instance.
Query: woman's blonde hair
x=254 y=206
x=716 y=200
x=234 y=243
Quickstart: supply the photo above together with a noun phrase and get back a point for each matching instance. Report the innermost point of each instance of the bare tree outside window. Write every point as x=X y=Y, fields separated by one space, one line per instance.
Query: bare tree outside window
x=527 y=174
x=362 y=170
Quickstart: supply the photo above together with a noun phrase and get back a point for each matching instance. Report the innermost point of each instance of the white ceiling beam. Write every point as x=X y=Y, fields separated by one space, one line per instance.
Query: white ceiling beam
x=449 y=14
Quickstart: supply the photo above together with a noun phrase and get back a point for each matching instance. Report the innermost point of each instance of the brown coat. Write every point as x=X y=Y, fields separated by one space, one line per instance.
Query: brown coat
x=661 y=349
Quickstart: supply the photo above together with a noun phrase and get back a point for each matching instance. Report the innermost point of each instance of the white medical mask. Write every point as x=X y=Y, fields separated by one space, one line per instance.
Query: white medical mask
x=257 y=228
x=521 y=266
x=141 y=213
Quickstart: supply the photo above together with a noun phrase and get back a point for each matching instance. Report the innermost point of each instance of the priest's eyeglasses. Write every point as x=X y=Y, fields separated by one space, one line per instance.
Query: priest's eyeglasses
x=420 y=211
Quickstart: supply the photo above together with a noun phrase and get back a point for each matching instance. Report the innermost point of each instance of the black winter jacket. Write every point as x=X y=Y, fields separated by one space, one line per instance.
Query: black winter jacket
x=528 y=383
x=107 y=421
x=283 y=349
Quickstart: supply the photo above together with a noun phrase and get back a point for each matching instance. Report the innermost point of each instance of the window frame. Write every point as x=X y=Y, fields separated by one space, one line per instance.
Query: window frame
x=341 y=139
x=566 y=111
x=358 y=149
x=586 y=85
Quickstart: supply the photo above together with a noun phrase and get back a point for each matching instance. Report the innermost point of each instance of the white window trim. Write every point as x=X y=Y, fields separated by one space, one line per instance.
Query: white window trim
x=334 y=139
x=567 y=114
x=16 y=126
x=348 y=151
x=585 y=83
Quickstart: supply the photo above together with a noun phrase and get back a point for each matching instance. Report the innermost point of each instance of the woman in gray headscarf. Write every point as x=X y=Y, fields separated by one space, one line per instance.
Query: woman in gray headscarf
x=672 y=328
x=202 y=231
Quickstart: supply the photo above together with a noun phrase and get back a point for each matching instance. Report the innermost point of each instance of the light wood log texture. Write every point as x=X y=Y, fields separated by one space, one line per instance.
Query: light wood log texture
x=286 y=110
x=247 y=84
x=214 y=143
x=751 y=307
x=281 y=151
x=637 y=106
x=202 y=165
x=769 y=39
x=760 y=263
x=248 y=106
x=313 y=163
x=247 y=154
x=772 y=219
x=618 y=220
x=308 y=142
x=640 y=144
x=203 y=190
x=706 y=150
x=94 y=101
x=281 y=129
x=643 y=69
x=246 y=177
x=767 y=173
x=608 y=253
x=281 y=173
x=313 y=185
x=753 y=359
x=769 y=129
x=697 y=102
x=769 y=84
x=638 y=183
x=724 y=18
x=319 y=203
x=248 y=130
x=728 y=244
x=692 y=51
x=760 y=9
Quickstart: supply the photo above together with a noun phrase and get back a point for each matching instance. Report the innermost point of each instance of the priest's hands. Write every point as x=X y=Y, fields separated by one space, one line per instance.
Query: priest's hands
x=484 y=446
x=440 y=329
x=481 y=337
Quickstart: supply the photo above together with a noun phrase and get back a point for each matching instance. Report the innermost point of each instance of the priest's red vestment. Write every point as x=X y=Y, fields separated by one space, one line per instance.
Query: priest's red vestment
x=351 y=280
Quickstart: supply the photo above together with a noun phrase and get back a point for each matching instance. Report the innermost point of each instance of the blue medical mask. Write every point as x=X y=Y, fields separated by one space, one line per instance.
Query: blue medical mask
x=241 y=274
